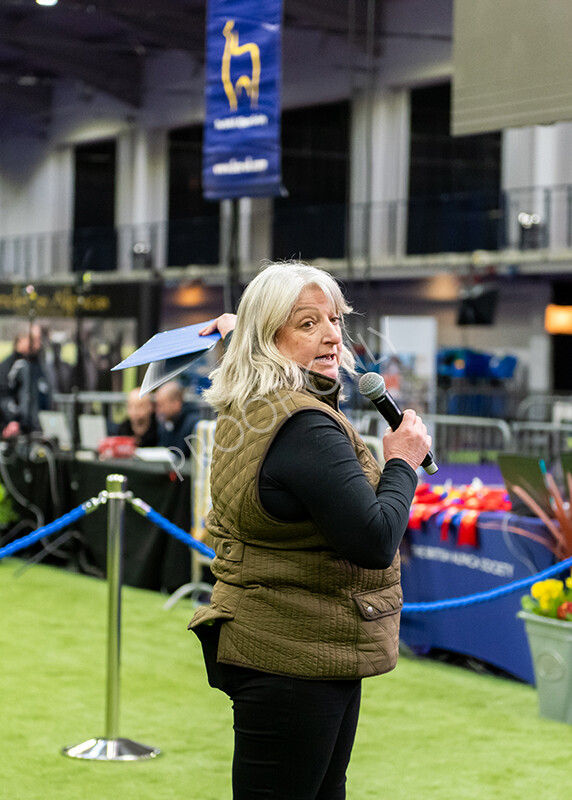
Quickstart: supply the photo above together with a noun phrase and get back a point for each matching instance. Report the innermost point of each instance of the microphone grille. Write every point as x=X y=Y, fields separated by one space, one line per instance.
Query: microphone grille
x=371 y=385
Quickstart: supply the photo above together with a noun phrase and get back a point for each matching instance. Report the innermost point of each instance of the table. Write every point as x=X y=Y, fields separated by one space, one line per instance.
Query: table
x=433 y=569
x=153 y=559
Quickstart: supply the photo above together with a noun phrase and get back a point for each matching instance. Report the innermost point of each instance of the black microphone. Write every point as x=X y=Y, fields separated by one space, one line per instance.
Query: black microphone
x=372 y=386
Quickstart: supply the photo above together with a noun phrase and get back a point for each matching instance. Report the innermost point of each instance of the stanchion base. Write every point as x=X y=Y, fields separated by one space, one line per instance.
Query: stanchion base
x=111 y=750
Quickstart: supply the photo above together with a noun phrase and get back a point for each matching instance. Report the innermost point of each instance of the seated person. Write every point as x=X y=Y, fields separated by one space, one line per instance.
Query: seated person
x=141 y=421
x=176 y=418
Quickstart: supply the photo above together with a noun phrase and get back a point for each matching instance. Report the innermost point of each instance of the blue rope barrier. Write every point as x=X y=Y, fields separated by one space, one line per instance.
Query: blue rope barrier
x=158 y=519
x=408 y=608
x=491 y=594
x=153 y=516
x=45 y=530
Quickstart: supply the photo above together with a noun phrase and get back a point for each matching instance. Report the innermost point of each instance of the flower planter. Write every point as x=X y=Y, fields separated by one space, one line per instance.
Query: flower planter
x=550 y=642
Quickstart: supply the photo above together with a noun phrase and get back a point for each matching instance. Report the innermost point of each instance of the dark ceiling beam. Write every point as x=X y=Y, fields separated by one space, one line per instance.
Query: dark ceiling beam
x=170 y=8
x=169 y=34
x=168 y=24
x=89 y=61
x=24 y=90
x=26 y=99
x=331 y=18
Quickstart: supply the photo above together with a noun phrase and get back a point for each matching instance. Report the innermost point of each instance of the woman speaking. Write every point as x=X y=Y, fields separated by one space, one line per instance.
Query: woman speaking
x=306 y=531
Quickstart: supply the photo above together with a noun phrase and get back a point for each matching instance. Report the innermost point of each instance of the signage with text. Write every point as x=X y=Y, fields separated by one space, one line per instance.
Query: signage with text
x=102 y=300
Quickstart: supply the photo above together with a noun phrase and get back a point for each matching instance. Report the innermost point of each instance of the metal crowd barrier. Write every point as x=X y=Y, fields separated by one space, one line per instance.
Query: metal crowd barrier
x=544 y=439
x=467 y=439
x=541 y=407
x=103 y=403
x=455 y=438
x=474 y=440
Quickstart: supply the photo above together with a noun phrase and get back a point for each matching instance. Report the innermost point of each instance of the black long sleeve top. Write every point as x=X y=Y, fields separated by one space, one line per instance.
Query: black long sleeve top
x=311 y=471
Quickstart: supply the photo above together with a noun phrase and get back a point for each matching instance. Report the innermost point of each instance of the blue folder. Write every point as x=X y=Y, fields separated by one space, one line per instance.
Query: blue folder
x=169 y=353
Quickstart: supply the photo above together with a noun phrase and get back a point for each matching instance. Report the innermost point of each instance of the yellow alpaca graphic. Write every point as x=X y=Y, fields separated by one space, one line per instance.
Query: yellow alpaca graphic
x=249 y=84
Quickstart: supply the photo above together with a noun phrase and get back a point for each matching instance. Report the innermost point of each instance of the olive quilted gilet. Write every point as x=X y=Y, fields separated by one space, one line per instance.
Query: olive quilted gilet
x=287 y=602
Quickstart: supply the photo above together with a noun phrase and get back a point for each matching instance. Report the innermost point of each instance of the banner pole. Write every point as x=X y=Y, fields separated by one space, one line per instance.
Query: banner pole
x=111 y=747
x=233 y=256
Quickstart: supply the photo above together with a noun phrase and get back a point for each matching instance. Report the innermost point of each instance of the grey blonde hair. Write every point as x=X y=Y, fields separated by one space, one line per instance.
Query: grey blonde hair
x=253 y=365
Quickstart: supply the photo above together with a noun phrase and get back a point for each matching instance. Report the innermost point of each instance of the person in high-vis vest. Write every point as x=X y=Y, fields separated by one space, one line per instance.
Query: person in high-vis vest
x=306 y=530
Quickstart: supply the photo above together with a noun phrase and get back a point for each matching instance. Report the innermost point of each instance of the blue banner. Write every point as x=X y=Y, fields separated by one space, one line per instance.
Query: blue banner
x=241 y=147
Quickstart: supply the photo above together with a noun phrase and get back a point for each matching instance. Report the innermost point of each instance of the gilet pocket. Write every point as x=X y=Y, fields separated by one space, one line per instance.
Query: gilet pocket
x=379 y=603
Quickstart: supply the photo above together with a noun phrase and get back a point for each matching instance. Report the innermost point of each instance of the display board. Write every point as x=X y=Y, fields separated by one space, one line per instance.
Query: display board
x=512 y=64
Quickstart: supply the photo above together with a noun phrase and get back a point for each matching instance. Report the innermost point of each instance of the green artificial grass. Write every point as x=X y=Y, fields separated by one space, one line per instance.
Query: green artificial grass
x=427 y=730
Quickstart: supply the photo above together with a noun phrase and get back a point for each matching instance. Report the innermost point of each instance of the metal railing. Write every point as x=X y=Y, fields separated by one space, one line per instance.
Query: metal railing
x=105 y=404
x=456 y=438
x=111 y=405
x=465 y=439
x=460 y=439
x=544 y=439
x=519 y=219
x=543 y=407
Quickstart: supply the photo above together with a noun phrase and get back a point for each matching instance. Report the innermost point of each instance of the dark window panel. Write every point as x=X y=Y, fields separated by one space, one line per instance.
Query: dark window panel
x=193 y=227
x=311 y=221
x=454 y=182
x=94 y=245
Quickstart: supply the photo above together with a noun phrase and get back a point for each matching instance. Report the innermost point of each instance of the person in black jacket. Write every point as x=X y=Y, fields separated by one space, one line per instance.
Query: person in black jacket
x=24 y=385
x=176 y=418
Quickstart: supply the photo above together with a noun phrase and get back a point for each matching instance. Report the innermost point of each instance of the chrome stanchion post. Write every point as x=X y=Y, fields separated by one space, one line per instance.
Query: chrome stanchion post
x=111 y=747
x=116 y=486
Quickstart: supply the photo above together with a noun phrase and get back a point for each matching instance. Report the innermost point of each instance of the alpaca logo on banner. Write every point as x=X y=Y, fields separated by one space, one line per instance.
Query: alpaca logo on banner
x=241 y=144
x=250 y=84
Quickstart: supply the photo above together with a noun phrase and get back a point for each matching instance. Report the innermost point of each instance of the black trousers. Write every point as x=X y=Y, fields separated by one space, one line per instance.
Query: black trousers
x=292 y=737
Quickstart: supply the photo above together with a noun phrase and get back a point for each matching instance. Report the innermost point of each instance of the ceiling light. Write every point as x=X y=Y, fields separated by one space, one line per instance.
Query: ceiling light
x=47 y=2
x=558 y=319
x=27 y=80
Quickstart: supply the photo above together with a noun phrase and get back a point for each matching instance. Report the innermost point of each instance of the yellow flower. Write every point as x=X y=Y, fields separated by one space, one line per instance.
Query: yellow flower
x=545 y=602
x=547 y=590
x=548 y=596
